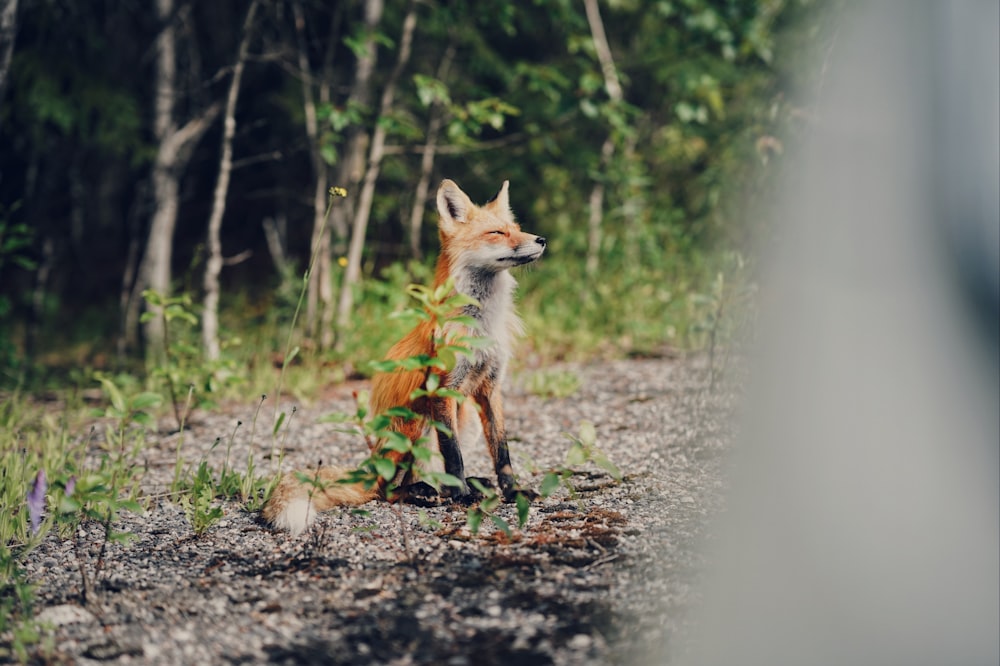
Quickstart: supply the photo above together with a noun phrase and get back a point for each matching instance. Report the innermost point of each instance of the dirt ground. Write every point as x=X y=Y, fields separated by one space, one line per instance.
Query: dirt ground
x=607 y=576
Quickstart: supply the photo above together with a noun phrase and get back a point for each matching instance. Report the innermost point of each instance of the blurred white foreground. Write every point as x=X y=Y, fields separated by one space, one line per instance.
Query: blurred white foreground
x=865 y=515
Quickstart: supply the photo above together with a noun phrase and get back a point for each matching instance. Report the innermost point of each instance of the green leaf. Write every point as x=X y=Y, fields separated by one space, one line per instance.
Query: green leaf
x=152 y=297
x=116 y=397
x=604 y=463
x=452 y=394
x=130 y=505
x=68 y=505
x=396 y=441
x=523 y=507
x=472 y=520
x=433 y=381
x=145 y=400
x=328 y=152
x=401 y=412
x=479 y=486
x=588 y=433
x=577 y=455
x=501 y=524
x=446 y=479
x=474 y=341
x=422 y=454
x=384 y=467
x=549 y=484
x=277 y=424
x=143 y=419
x=441 y=427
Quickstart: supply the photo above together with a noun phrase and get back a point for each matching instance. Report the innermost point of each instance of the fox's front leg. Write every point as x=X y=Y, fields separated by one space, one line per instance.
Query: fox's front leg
x=491 y=413
x=445 y=411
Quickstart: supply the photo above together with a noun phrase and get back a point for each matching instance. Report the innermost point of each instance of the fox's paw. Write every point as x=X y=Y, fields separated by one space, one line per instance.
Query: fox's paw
x=472 y=492
x=510 y=494
x=420 y=494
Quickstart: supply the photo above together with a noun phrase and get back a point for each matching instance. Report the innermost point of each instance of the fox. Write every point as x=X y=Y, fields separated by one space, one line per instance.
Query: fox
x=479 y=246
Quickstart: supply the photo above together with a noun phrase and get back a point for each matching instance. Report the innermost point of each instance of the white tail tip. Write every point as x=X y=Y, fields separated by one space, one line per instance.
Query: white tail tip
x=298 y=515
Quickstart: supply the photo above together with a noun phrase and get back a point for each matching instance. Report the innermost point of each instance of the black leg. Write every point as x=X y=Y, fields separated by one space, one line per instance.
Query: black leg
x=491 y=413
x=444 y=411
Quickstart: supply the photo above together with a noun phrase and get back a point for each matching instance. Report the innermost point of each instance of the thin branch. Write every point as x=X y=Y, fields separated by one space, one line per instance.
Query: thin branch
x=210 y=318
x=611 y=82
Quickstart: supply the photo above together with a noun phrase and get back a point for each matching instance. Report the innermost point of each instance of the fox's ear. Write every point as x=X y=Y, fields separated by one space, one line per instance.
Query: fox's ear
x=500 y=203
x=453 y=204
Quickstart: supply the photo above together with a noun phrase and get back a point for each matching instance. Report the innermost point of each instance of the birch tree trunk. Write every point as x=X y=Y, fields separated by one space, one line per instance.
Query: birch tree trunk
x=614 y=89
x=364 y=206
x=8 y=35
x=422 y=191
x=319 y=244
x=172 y=155
x=351 y=165
x=213 y=266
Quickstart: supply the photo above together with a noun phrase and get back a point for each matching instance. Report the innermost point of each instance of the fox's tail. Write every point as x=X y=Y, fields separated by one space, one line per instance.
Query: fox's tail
x=294 y=503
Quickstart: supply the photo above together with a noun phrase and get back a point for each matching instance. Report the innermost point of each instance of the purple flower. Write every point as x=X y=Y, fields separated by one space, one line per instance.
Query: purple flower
x=70 y=486
x=36 y=500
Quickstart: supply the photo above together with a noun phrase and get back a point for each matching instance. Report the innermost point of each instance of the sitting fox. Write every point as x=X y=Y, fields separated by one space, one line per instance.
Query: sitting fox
x=478 y=246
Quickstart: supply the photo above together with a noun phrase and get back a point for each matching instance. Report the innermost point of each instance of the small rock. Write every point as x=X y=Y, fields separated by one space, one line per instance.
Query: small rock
x=579 y=642
x=65 y=614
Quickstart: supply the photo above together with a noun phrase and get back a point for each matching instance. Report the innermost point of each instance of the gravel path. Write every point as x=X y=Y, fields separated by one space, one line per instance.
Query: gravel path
x=608 y=577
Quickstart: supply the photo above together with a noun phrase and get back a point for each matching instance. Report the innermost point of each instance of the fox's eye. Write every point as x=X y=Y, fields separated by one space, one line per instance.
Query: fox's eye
x=497 y=231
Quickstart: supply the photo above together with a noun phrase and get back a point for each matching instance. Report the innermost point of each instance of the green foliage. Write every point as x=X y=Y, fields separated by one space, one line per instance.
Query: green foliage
x=553 y=383
x=183 y=363
x=15 y=243
x=441 y=308
x=17 y=597
x=583 y=450
x=199 y=502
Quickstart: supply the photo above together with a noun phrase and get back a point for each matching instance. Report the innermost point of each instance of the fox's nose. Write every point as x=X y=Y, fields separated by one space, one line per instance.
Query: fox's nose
x=540 y=240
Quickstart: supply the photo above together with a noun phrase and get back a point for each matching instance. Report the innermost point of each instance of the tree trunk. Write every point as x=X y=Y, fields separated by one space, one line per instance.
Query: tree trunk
x=275 y=234
x=8 y=35
x=351 y=164
x=320 y=243
x=427 y=159
x=128 y=332
x=213 y=266
x=596 y=207
x=364 y=206
x=614 y=89
x=173 y=152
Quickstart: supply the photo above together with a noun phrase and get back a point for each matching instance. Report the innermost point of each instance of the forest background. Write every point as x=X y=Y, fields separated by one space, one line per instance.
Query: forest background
x=176 y=158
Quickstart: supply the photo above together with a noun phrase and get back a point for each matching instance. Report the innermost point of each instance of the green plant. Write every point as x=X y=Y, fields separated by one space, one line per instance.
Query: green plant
x=583 y=450
x=97 y=497
x=724 y=312
x=442 y=307
x=487 y=509
x=553 y=383
x=199 y=502
x=15 y=242
x=199 y=493
x=184 y=364
x=17 y=598
x=438 y=306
